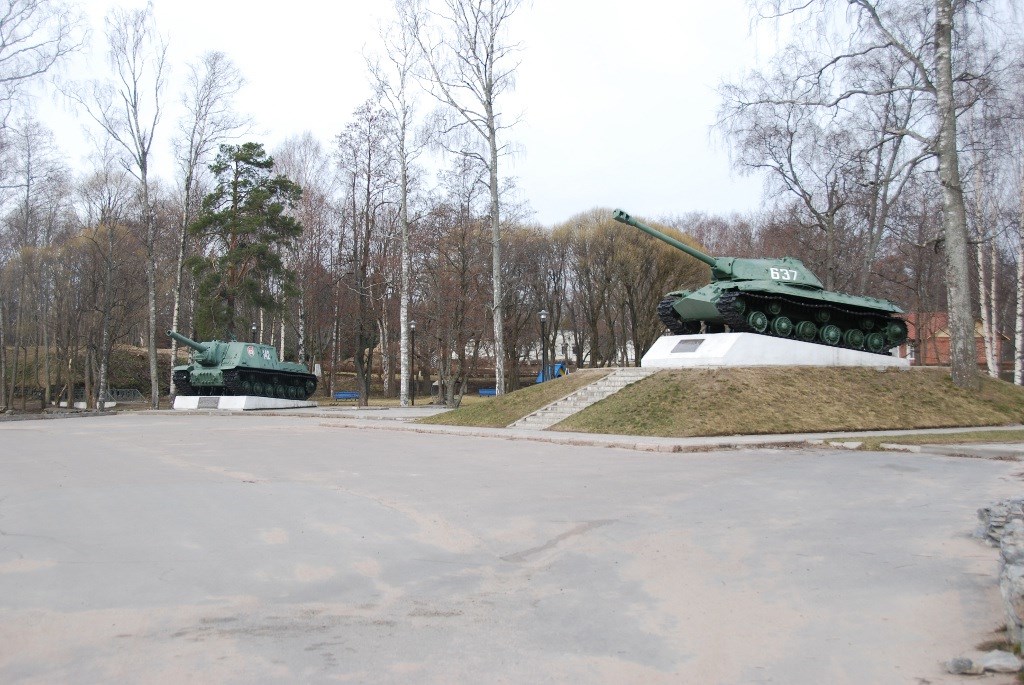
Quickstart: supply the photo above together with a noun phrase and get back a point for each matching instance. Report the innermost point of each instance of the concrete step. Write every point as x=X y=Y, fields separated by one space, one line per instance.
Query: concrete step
x=561 y=409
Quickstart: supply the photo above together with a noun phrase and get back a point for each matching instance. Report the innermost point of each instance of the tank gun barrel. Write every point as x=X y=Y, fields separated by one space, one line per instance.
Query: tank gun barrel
x=625 y=218
x=198 y=347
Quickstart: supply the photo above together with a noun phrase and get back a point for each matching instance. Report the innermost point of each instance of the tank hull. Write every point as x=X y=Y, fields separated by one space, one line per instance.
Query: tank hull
x=785 y=311
x=294 y=385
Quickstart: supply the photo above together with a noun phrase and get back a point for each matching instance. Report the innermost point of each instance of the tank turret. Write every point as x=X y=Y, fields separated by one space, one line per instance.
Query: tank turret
x=791 y=270
x=779 y=297
x=240 y=368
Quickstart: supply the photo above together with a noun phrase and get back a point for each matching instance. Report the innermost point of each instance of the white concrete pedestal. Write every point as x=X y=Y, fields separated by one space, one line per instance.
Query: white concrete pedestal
x=237 y=402
x=751 y=349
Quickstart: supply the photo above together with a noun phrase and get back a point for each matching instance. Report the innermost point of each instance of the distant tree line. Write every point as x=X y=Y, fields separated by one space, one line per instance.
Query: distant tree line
x=330 y=250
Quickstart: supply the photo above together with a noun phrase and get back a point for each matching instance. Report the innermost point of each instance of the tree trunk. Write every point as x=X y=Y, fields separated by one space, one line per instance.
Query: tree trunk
x=385 y=354
x=335 y=338
x=87 y=377
x=179 y=275
x=1018 y=338
x=18 y=336
x=987 y=306
x=300 y=343
x=498 y=309
x=403 y=307
x=47 y=381
x=963 y=354
x=108 y=298
x=4 y=405
x=1018 y=332
x=281 y=341
x=154 y=380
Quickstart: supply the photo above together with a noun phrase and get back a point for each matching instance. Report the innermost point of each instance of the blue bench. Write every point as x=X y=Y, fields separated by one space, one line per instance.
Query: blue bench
x=346 y=395
x=487 y=392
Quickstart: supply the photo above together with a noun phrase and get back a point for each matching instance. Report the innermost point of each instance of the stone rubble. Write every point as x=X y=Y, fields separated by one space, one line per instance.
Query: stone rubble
x=1002 y=525
x=995 y=517
x=999 y=661
x=996 y=661
x=961 y=665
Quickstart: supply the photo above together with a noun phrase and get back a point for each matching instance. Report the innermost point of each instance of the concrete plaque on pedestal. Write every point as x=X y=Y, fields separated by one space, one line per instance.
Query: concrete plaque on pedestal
x=237 y=402
x=751 y=349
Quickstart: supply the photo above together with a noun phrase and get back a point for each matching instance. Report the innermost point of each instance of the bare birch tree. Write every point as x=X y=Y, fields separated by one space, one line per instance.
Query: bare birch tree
x=930 y=38
x=128 y=109
x=210 y=87
x=470 y=65
x=34 y=36
x=393 y=79
x=304 y=160
x=35 y=170
x=106 y=198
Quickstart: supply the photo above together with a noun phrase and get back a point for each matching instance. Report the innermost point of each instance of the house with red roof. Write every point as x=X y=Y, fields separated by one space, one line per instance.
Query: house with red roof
x=928 y=341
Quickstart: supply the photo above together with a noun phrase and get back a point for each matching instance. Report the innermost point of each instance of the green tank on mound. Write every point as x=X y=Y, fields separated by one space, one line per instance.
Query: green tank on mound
x=777 y=297
x=240 y=368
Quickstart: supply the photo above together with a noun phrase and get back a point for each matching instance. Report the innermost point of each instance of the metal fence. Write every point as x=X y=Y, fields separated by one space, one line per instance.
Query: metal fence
x=125 y=395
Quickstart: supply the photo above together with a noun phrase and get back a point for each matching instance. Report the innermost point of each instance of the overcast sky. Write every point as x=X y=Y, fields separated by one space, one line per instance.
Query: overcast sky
x=617 y=99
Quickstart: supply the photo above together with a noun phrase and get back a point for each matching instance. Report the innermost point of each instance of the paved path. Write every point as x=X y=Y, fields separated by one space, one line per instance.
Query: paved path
x=168 y=548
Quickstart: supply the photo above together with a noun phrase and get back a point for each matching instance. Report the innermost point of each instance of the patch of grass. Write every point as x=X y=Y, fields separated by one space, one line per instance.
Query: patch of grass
x=498 y=412
x=874 y=443
x=766 y=400
x=377 y=401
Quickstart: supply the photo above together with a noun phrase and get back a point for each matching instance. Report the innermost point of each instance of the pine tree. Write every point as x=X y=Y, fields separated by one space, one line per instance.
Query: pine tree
x=246 y=224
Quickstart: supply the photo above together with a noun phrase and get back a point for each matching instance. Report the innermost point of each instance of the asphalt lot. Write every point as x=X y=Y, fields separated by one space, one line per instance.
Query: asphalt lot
x=161 y=547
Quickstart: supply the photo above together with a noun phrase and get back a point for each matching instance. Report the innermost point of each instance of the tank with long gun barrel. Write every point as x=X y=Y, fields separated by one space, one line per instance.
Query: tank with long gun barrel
x=778 y=297
x=222 y=367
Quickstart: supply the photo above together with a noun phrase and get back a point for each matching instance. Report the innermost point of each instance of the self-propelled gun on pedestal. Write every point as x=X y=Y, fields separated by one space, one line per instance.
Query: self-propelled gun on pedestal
x=240 y=368
x=778 y=297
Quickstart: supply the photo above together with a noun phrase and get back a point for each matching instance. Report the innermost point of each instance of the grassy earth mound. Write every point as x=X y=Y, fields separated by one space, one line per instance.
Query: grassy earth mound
x=765 y=400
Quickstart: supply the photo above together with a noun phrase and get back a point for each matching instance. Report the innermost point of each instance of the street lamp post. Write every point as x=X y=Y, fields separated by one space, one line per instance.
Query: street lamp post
x=412 y=372
x=543 y=345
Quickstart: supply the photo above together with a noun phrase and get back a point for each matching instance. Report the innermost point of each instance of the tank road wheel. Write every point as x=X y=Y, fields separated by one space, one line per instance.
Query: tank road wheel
x=279 y=390
x=867 y=324
x=822 y=316
x=293 y=392
x=782 y=326
x=246 y=387
x=774 y=307
x=806 y=330
x=896 y=333
x=758 y=321
x=257 y=389
x=854 y=338
x=875 y=342
x=310 y=389
x=830 y=334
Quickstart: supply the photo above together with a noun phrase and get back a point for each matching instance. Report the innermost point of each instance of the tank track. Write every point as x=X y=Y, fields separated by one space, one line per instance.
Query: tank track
x=801 y=310
x=291 y=386
x=669 y=317
x=296 y=386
